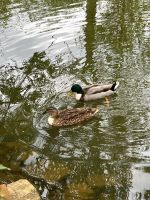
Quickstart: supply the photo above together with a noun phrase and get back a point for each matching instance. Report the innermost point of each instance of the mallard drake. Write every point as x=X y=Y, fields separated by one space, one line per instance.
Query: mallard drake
x=69 y=117
x=93 y=92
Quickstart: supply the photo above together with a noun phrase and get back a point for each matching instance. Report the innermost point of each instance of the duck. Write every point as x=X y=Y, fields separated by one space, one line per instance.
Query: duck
x=93 y=92
x=68 y=117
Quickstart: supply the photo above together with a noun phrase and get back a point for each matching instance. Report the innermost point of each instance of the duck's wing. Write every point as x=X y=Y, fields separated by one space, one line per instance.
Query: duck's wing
x=76 y=115
x=96 y=96
x=97 y=88
x=93 y=85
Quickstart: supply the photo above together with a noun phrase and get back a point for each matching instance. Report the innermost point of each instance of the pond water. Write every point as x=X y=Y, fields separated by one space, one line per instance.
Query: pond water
x=45 y=47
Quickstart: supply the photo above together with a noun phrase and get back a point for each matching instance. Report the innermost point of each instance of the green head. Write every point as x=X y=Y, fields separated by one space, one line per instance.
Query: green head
x=77 y=89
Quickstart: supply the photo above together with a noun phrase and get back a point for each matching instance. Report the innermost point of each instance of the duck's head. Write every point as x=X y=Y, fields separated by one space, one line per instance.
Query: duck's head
x=53 y=112
x=77 y=90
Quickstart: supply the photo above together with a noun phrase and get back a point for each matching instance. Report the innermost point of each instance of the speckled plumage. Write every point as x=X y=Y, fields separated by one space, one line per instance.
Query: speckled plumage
x=72 y=116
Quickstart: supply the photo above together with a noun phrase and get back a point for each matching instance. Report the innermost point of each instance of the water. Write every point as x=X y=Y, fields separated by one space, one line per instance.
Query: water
x=45 y=47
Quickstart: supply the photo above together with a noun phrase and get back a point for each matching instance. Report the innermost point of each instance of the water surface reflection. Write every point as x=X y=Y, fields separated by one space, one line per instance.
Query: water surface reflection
x=45 y=47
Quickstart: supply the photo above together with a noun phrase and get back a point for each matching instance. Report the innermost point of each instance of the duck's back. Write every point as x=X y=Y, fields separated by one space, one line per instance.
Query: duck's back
x=97 y=88
x=74 y=116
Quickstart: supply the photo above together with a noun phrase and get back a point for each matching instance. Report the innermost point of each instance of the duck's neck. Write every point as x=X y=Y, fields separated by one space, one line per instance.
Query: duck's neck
x=78 y=96
x=50 y=120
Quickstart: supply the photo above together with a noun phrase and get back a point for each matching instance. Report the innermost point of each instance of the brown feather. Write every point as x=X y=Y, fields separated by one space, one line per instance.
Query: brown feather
x=74 y=116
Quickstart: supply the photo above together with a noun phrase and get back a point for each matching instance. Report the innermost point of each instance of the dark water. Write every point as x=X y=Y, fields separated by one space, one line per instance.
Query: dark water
x=45 y=47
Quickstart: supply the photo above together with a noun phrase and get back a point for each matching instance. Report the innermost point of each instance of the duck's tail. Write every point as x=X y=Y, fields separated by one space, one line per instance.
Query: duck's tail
x=115 y=86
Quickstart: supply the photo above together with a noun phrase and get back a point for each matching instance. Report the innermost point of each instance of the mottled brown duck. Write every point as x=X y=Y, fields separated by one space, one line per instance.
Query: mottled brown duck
x=68 y=117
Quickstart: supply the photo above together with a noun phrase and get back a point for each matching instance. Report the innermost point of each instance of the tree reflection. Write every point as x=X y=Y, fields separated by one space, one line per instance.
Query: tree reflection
x=5 y=8
x=120 y=24
x=21 y=94
x=4 y=12
x=90 y=31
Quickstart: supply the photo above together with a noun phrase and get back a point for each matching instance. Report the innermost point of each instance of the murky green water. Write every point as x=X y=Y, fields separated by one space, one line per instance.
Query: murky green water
x=45 y=47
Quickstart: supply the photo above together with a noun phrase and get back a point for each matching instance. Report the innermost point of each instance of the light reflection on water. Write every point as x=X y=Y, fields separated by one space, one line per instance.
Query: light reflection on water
x=28 y=35
x=140 y=181
x=44 y=50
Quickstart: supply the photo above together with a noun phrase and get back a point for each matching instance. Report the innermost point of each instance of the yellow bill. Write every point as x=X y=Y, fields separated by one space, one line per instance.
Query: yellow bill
x=70 y=93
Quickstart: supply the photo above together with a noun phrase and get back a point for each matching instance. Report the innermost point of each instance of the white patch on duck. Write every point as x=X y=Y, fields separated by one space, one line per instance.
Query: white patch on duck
x=50 y=120
x=117 y=85
x=78 y=96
